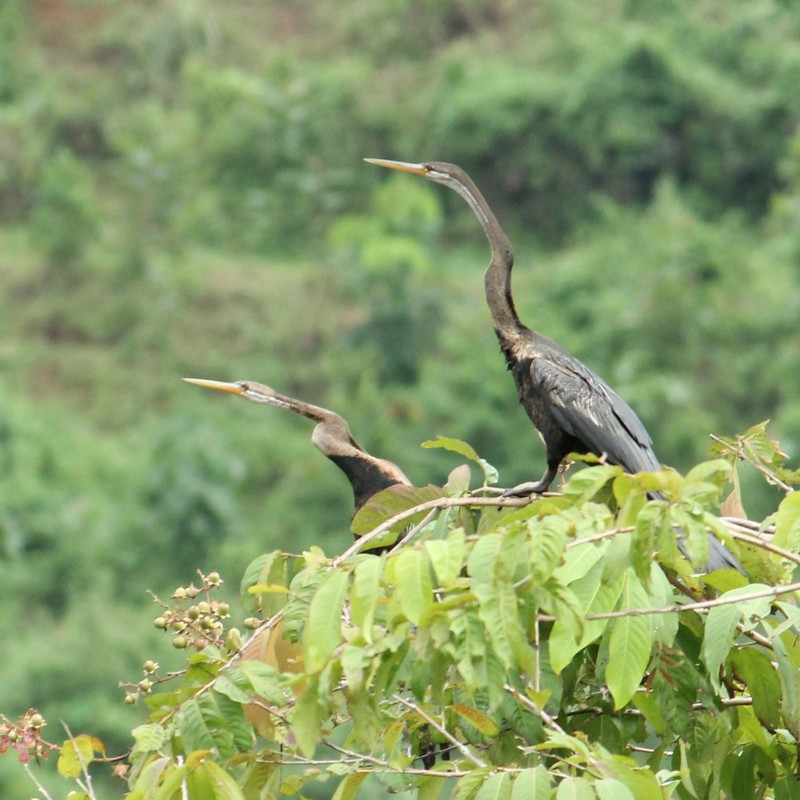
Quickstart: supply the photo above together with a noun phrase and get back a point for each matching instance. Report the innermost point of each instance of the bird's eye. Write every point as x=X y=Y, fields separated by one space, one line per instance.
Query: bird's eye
x=245 y=386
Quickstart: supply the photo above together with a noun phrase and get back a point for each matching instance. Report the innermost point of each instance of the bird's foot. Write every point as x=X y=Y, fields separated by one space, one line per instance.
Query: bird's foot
x=526 y=489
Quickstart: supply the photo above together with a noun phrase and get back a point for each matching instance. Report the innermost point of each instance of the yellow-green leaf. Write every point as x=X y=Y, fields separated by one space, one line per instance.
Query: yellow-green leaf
x=630 y=643
x=323 y=629
x=477 y=719
x=414 y=584
x=76 y=754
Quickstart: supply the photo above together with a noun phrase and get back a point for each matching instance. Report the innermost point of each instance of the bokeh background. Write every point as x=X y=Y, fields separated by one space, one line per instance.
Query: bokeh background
x=182 y=194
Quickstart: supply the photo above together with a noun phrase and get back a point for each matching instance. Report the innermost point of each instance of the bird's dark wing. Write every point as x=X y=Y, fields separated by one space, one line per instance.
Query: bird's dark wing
x=586 y=408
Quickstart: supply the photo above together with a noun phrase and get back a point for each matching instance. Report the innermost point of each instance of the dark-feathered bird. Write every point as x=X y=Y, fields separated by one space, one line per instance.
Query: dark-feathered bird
x=573 y=410
x=367 y=474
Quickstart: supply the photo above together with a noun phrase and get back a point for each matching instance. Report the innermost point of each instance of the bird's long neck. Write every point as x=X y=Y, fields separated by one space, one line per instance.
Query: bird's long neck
x=497 y=282
x=368 y=475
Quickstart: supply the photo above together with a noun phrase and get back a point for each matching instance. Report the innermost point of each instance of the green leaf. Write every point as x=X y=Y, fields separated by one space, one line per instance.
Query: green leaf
x=790 y=686
x=787 y=523
x=307 y=719
x=76 y=755
x=266 y=570
x=548 y=538
x=495 y=787
x=630 y=643
x=578 y=560
x=365 y=593
x=571 y=634
x=787 y=788
x=612 y=789
x=204 y=727
x=721 y=626
x=483 y=724
x=447 y=556
x=468 y=785
x=348 y=788
x=586 y=483
x=532 y=784
x=755 y=667
x=466 y=450
x=322 y=633
x=389 y=503
x=148 y=737
x=575 y=789
x=414 y=584
x=224 y=784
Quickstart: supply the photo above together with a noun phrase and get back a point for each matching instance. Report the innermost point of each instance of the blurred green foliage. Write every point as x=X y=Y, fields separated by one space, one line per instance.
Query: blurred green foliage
x=182 y=193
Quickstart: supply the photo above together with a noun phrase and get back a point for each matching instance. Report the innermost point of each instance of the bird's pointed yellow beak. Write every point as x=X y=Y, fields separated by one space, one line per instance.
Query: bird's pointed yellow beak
x=222 y=386
x=403 y=166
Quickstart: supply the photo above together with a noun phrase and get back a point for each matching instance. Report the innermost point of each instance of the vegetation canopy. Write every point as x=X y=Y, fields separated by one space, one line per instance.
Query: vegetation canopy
x=500 y=648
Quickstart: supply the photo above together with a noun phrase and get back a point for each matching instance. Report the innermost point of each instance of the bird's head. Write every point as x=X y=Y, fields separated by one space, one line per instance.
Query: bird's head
x=438 y=171
x=249 y=390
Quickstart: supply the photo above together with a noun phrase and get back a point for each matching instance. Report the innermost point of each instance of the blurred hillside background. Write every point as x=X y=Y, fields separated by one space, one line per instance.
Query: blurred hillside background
x=182 y=194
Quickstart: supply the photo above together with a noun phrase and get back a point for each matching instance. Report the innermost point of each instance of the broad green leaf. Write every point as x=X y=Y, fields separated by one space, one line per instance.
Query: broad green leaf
x=225 y=785
x=532 y=784
x=268 y=569
x=148 y=737
x=630 y=642
x=499 y=612
x=307 y=718
x=612 y=789
x=204 y=727
x=468 y=785
x=718 y=469
x=579 y=559
x=483 y=560
x=790 y=686
x=478 y=720
x=721 y=626
x=586 y=483
x=322 y=633
x=198 y=784
x=641 y=784
x=389 y=503
x=547 y=540
x=787 y=788
x=755 y=667
x=348 y=788
x=495 y=787
x=466 y=450
x=787 y=523
x=447 y=556
x=575 y=789
x=414 y=584
x=568 y=635
x=365 y=593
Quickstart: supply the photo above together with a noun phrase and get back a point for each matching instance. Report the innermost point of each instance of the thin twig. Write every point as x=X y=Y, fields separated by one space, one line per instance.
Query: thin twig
x=27 y=767
x=739 y=449
x=772 y=591
x=463 y=749
x=436 y=503
x=535 y=707
x=414 y=530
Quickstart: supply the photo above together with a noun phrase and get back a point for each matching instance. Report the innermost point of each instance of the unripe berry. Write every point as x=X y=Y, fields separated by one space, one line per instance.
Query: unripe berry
x=180 y=642
x=150 y=666
x=223 y=609
x=203 y=607
x=160 y=622
x=130 y=699
x=213 y=578
x=37 y=720
x=251 y=622
x=180 y=593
